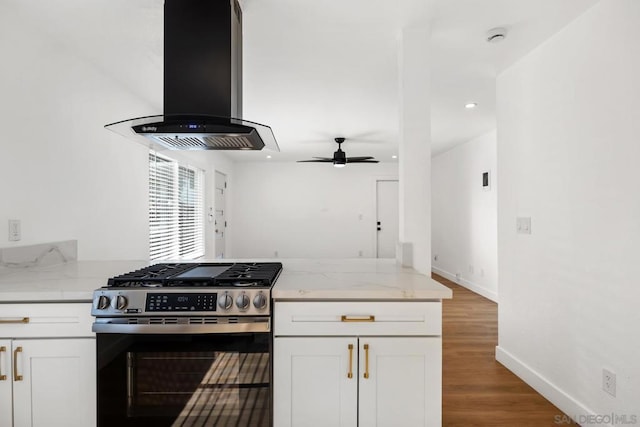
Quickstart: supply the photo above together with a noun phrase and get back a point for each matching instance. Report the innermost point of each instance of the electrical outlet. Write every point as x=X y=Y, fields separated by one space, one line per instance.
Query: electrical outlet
x=275 y=254
x=609 y=382
x=435 y=257
x=523 y=225
x=360 y=253
x=15 y=233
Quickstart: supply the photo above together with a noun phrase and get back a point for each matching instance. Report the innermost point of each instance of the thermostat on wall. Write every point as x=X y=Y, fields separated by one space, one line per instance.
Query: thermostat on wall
x=486 y=180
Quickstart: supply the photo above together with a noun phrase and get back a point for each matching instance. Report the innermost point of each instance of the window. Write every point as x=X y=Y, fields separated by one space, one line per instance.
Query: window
x=176 y=209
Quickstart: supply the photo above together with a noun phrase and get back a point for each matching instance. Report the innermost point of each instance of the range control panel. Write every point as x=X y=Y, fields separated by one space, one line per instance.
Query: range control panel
x=181 y=302
x=222 y=302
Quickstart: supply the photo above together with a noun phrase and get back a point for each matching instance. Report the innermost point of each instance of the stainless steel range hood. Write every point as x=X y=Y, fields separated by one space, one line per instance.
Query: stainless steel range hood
x=202 y=84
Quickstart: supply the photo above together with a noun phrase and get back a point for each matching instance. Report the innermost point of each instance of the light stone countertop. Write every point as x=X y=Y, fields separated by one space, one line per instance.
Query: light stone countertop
x=354 y=279
x=73 y=281
x=301 y=279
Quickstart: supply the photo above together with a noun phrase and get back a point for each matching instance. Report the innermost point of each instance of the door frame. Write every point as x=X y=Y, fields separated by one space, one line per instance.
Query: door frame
x=374 y=209
x=215 y=208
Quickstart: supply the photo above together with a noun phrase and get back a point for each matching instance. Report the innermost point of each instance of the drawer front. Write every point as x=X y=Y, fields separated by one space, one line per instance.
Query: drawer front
x=45 y=320
x=423 y=318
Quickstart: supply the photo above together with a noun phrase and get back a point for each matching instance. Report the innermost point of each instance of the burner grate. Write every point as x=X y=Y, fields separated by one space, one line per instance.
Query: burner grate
x=256 y=274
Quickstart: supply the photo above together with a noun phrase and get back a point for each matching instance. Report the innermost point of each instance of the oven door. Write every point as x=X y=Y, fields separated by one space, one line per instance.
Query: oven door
x=184 y=379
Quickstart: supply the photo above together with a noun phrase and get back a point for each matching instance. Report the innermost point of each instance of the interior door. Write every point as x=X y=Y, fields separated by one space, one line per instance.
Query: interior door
x=220 y=223
x=387 y=218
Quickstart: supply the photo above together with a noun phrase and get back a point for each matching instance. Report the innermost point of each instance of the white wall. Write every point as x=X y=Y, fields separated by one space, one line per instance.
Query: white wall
x=464 y=216
x=305 y=210
x=61 y=173
x=568 y=151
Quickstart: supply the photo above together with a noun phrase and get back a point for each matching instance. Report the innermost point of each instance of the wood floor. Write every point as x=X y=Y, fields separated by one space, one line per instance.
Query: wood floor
x=477 y=390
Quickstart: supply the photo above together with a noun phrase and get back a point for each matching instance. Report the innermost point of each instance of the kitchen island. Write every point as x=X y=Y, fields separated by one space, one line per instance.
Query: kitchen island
x=357 y=343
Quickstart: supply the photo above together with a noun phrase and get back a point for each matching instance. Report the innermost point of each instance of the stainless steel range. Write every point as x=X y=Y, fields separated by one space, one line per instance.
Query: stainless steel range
x=185 y=344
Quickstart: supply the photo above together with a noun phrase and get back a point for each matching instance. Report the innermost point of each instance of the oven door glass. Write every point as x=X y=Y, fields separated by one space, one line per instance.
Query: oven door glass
x=184 y=380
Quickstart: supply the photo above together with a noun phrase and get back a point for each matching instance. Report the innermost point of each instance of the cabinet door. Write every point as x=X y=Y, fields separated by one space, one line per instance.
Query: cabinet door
x=312 y=387
x=5 y=383
x=403 y=385
x=58 y=388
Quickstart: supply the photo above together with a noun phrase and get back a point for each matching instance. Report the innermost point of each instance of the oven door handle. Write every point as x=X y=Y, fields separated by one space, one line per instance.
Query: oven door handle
x=108 y=326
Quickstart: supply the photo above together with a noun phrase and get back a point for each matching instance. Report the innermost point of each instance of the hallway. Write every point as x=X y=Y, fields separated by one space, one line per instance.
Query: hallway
x=477 y=390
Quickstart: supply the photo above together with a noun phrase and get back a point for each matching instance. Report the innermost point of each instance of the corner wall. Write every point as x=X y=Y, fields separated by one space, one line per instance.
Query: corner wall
x=568 y=150
x=464 y=216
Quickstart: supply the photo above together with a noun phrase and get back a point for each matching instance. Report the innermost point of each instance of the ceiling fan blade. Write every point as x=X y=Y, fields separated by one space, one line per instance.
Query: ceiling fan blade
x=357 y=159
x=362 y=161
x=324 y=158
x=316 y=161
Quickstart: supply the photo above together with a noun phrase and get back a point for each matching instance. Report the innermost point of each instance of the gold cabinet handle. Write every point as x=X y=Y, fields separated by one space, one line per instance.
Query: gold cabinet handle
x=16 y=376
x=350 y=373
x=21 y=320
x=366 y=360
x=3 y=377
x=358 y=318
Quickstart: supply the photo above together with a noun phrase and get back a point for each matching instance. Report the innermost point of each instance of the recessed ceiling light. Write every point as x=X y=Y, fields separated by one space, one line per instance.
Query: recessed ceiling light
x=470 y=105
x=394 y=157
x=268 y=156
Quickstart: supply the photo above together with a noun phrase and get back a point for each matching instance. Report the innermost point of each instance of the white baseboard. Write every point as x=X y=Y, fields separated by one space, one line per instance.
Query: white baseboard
x=493 y=296
x=548 y=390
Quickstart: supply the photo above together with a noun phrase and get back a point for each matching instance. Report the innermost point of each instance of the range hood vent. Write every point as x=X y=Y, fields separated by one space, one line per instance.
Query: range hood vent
x=202 y=84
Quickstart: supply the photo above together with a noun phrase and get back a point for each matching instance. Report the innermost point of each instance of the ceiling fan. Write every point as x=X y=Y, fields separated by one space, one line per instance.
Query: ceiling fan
x=340 y=158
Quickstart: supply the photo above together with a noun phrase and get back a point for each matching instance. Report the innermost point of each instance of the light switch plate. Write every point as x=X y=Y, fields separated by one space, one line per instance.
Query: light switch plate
x=523 y=225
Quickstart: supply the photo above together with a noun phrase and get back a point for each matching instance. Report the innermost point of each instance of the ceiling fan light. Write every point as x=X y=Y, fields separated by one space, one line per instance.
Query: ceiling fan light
x=339 y=164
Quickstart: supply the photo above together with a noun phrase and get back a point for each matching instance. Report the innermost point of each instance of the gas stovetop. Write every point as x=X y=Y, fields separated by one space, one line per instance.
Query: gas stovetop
x=188 y=289
x=254 y=274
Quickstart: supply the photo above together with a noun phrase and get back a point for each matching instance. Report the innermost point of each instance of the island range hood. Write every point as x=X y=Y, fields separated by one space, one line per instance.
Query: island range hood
x=202 y=84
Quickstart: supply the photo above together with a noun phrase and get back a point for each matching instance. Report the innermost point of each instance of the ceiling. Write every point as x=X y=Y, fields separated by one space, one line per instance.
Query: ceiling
x=315 y=70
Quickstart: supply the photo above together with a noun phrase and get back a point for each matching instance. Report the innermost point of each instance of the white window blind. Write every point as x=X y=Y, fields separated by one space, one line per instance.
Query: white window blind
x=176 y=209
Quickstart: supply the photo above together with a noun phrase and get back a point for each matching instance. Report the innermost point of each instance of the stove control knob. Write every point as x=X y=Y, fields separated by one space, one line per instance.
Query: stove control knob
x=243 y=301
x=102 y=302
x=119 y=302
x=226 y=301
x=260 y=301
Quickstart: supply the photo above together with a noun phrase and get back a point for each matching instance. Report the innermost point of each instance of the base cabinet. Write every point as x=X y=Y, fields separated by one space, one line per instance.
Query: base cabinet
x=311 y=384
x=360 y=380
x=350 y=382
x=403 y=384
x=46 y=381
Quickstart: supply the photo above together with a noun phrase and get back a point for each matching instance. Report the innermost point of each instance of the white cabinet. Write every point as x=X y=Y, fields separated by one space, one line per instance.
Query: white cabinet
x=352 y=364
x=311 y=383
x=47 y=380
x=6 y=399
x=404 y=381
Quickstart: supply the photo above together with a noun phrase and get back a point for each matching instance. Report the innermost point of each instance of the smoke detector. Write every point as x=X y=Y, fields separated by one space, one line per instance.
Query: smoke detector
x=496 y=35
